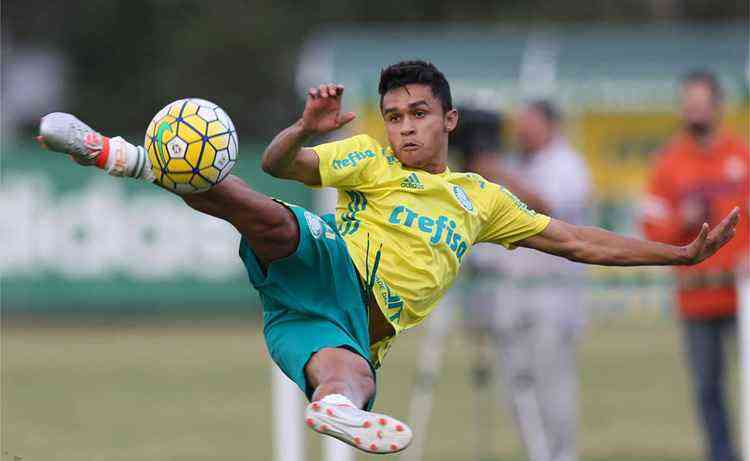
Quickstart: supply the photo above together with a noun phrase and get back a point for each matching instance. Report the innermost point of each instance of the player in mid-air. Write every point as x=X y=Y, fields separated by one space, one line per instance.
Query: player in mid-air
x=337 y=290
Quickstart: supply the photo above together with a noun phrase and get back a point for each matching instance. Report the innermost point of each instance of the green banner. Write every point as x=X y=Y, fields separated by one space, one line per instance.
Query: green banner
x=77 y=239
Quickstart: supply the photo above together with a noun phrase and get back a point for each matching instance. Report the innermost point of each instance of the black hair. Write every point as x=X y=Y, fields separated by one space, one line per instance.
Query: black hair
x=546 y=109
x=705 y=77
x=421 y=72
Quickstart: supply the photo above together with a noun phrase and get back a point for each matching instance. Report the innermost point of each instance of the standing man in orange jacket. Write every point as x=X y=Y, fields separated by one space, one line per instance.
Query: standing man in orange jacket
x=700 y=175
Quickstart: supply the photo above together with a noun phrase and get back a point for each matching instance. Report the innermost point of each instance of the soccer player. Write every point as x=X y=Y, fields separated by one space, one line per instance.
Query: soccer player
x=337 y=290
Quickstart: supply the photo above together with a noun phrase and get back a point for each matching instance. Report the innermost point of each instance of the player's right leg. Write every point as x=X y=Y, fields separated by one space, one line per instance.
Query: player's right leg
x=268 y=226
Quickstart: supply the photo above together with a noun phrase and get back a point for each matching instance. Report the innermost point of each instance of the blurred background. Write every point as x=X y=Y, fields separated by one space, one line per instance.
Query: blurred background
x=150 y=347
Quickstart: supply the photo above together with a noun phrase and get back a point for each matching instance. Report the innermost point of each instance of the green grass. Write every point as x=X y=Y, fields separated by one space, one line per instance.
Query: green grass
x=200 y=390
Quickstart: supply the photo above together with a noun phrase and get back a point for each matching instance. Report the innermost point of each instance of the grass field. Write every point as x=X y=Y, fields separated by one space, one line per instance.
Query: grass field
x=198 y=390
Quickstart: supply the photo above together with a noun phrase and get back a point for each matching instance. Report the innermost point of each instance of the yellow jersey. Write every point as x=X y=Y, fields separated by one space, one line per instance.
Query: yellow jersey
x=407 y=230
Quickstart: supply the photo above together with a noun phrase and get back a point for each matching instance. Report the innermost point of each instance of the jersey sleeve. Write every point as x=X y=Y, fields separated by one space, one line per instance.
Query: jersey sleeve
x=350 y=163
x=510 y=220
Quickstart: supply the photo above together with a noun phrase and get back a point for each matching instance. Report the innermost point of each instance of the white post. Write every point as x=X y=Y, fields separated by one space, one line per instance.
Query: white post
x=335 y=450
x=743 y=292
x=428 y=367
x=288 y=427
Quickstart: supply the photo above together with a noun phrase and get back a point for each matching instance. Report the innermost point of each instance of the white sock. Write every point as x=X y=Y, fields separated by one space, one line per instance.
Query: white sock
x=337 y=399
x=128 y=160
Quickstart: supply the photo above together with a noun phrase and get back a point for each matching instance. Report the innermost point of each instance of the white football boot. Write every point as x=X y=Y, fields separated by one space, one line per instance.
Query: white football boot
x=61 y=132
x=336 y=416
x=65 y=133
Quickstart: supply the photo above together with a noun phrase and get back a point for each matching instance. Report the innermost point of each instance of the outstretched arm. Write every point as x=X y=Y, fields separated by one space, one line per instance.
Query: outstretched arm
x=592 y=245
x=285 y=157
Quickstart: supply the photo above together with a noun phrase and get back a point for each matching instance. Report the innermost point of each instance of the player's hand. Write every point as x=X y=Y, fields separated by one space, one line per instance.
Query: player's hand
x=708 y=242
x=323 y=110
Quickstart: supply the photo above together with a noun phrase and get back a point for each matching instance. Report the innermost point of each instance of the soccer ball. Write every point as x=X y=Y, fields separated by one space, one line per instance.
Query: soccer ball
x=192 y=145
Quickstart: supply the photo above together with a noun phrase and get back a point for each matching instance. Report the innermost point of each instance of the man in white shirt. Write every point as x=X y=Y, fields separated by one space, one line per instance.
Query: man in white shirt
x=538 y=304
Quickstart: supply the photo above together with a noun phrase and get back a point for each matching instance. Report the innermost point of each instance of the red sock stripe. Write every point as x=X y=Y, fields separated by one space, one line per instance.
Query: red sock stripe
x=101 y=160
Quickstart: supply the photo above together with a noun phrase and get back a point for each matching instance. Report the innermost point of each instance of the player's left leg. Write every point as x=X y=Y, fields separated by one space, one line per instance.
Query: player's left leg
x=338 y=372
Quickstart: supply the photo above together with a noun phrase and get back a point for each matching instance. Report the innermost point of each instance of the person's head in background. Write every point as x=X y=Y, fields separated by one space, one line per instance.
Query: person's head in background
x=537 y=125
x=477 y=138
x=701 y=103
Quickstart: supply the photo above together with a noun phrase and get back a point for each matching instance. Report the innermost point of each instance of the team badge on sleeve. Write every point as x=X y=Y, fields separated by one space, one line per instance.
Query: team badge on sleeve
x=463 y=199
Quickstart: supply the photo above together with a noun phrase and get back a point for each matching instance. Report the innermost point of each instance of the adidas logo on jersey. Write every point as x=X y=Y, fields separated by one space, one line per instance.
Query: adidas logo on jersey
x=412 y=182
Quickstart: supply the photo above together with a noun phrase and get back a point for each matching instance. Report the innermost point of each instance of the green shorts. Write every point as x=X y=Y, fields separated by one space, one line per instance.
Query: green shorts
x=312 y=299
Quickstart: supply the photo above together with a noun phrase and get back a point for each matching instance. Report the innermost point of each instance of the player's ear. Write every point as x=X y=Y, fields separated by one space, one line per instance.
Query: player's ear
x=450 y=120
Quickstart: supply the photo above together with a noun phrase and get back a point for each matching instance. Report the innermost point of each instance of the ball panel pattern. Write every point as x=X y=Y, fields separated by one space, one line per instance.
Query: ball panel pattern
x=192 y=145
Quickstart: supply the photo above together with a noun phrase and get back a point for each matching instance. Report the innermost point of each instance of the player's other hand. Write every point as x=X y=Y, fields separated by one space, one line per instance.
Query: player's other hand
x=323 y=110
x=708 y=242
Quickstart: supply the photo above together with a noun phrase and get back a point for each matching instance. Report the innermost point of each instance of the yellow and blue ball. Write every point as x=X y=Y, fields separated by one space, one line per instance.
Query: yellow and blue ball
x=192 y=145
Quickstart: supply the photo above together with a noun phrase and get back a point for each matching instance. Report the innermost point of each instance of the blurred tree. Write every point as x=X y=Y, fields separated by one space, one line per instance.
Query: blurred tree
x=131 y=57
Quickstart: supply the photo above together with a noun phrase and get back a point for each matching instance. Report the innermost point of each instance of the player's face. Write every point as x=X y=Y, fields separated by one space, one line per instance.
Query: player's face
x=417 y=126
x=700 y=110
